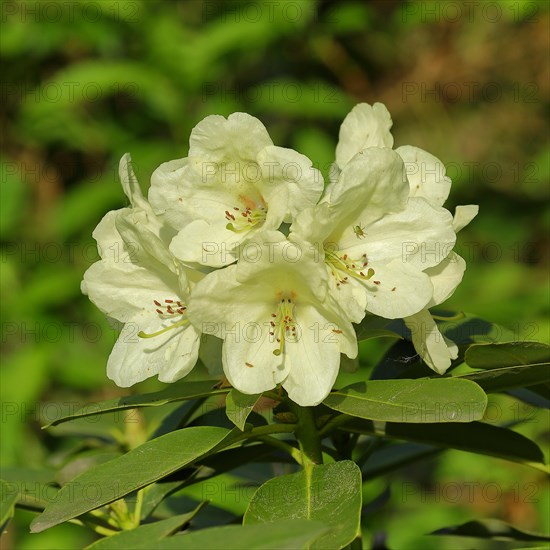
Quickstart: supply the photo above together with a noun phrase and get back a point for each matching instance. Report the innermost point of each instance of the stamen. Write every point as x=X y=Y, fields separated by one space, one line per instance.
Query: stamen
x=251 y=215
x=348 y=266
x=284 y=326
x=170 y=309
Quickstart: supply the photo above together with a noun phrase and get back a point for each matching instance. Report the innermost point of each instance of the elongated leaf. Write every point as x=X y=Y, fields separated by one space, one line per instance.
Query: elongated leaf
x=530 y=397
x=142 y=466
x=328 y=493
x=238 y=406
x=393 y=457
x=471 y=329
x=8 y=498
x=494 y=380
x=142 y=537
x=174 y=392
x=490 y=529
x=507 y=354
x=283 y=535
x=474 y=437
x=34 y=488
x=423 y=400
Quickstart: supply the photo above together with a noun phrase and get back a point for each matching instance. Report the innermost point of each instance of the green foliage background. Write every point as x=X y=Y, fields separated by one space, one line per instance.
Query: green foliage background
x=84 y=82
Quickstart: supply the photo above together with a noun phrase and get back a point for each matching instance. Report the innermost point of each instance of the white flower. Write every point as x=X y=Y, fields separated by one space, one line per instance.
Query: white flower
x=367 y=126
x=377 y=242
x=234 y=183
x=140 y=284
x=277 y=320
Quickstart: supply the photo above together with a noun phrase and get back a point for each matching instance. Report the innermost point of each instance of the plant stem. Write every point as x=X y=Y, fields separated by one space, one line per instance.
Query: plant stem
x=137 y=509
x=307 y=435
x=335 y=422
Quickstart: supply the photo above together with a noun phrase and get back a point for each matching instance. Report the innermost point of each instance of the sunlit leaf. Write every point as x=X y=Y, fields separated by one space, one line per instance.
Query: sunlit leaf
x=423 y=400
x=238 y=406
x=174 y=392
x=283 y=535
x=330 y=494
x=507 y=354
x=138 y=468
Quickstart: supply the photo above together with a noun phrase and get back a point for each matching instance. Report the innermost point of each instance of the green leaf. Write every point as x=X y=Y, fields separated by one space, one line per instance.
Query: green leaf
x=393 y=457
x=330 y=494
x=283 y=535
x=142 y=466
x=238 y=406
x=490 y=529
x=141 y=537
x=8 y=498
x=472 y=329
x=34 y=488
x=495 y=380
x=423 y=400
x=508 y=354
x=474 y=437
x=175 y=392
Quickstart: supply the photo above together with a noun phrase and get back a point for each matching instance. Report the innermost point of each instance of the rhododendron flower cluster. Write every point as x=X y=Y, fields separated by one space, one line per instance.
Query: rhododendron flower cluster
x=241 y=242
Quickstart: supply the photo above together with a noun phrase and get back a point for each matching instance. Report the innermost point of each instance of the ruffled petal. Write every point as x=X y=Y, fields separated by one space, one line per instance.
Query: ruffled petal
x=237 y=139
x=371 y=185
x=426 y=174
x=364 y=126
x=289 y=177
x=445 y=277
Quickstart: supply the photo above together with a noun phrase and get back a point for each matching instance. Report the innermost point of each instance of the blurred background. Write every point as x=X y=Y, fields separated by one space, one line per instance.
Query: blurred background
x=85 y=81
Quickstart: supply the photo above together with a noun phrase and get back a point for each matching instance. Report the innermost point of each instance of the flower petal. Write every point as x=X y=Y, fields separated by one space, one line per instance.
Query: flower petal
x=251 y=366
x=125 y=291
x=314 y=358
x=371 y=185
x=445 y=277
x=396 y=290
x=429 y=342
x=206 y=244
x=314 y=224
x=170 y=355
x=217 y=140
x=166 y=194
x=363 y=127
x=464 y=215
x=426 y=174
x=421 y=235
x=130 y=182
x=290 y=177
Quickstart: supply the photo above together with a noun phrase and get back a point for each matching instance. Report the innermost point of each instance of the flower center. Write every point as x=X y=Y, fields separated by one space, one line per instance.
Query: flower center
x=283 y=326
x=245 y=217
x=169 y=309
x=343 y=267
